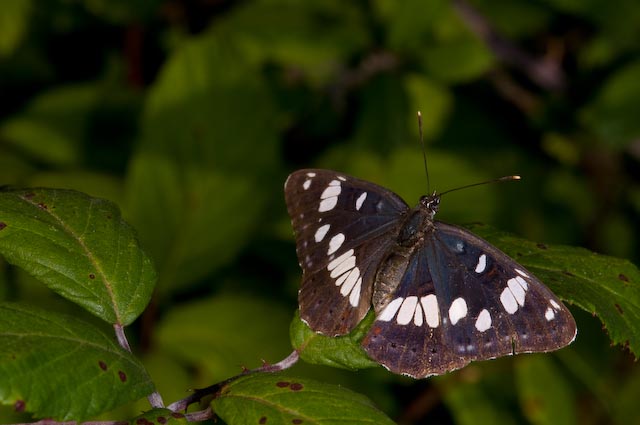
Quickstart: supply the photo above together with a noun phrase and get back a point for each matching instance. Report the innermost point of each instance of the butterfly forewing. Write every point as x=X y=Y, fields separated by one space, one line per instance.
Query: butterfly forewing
x=342 y=226
x=481 y=305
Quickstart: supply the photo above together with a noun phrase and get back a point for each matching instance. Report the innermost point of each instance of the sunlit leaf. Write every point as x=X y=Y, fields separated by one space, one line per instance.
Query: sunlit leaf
x=277 y=399
x=79 y=247
x=56 y=366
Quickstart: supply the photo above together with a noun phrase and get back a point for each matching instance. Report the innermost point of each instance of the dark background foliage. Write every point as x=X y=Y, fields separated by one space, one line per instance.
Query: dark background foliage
x=190 y=114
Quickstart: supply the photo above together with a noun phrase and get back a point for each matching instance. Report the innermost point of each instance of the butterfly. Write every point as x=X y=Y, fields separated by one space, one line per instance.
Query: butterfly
x=442 y=296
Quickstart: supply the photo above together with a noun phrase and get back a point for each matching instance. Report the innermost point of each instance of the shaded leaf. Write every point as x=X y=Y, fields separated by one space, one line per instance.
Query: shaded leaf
x=50 y=363
x=278 y=399
x=14 y=21
x=479 y=398
x=286 y=33
x=225 y=333
x=612 y=114
x=79 y=247
x=605 y=286
x=343 y=352
x=188 y=191
x=54 y=124
x=545 y=395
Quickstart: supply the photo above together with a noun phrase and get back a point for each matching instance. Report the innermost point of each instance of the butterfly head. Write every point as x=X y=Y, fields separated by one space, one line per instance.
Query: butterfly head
x=430 y=203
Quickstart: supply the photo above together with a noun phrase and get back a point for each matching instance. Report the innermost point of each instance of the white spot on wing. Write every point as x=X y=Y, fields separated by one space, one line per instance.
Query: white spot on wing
x=307 y=184
x=311 y=174
x=335 y=243
x=345 y=266
x=516 y=290
x=521 y=273
x=335 y=263
x=354 y=297
x=431 y=311
x=549 y=314
x=484 y=320
x=331 y=191
x=360 y=200
x=350 y=282
x=328 y=204
x=482 y=263
x=321 y=232
x=554 y=304
x=458 y=310
x=342 y=178
x=418 y=317
x=522 y=283
x=508 y=301
x=405 y=315
x=334 y=183
x=390 y=310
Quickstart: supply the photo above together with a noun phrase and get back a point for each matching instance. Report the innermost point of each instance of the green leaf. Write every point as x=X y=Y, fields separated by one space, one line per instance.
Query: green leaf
x=286 y=33
x=14 y=21
x=545 y=395
x=343 y=352
x=457 y=61
x=480 y=395
x=278 y=399
x=604 y=286
x=54 y=365
x=612 y=114
x=187 y=186
x=159 y=417
x=79 y=247
x=54 y=124
x=226 y=332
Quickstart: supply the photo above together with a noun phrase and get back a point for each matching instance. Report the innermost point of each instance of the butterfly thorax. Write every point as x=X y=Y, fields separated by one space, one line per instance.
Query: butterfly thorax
x=416 y=225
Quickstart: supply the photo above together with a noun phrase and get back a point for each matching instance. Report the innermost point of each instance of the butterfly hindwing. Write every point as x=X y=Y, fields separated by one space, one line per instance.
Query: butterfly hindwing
x=342 y=226
x=460 y=299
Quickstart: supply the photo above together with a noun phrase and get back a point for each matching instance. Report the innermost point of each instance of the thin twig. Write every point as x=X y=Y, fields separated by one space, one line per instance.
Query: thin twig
x=199 y=394
x=155 y=399
x=545 y=72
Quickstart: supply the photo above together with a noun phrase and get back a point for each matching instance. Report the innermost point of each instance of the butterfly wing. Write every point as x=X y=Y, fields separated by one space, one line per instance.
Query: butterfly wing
x=460 y=299
x=340 y=224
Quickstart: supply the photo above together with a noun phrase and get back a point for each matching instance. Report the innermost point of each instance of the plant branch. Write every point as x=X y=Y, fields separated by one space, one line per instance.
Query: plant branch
x=214 y=389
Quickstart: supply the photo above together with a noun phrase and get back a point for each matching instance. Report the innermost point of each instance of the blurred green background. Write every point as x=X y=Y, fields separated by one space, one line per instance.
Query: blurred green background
x=190 y=115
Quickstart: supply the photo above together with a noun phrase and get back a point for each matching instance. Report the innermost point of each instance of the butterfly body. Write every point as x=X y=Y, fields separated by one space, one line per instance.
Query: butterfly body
x=442 y=296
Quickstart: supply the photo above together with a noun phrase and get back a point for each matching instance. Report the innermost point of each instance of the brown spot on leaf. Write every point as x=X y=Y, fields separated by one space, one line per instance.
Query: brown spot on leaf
x=141 y=421
x=42 y=206
x=263 y=420
x=620 y=276
x=29 y=195
x=102 y=365
x=122 y=375
x=619 y=308
x=296 y=386
x=161 y=420
x=177 y=415
x=2 y=225
x=19 y=406
x=568 y=273
x=282 y=384
x=92 y=276
x=541 y=246
x=296 y=421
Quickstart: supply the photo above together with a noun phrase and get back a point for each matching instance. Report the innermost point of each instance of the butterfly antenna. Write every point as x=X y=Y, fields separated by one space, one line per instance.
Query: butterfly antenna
x=424 y=150
x=501 y=179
